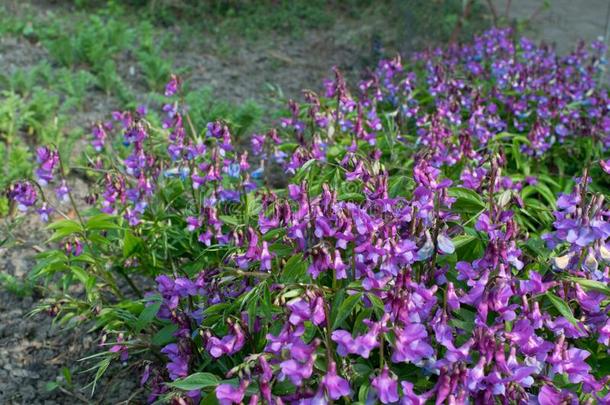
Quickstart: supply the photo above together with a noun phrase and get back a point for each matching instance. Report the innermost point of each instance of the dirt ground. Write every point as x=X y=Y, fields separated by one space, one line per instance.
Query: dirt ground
x=32 y=352
x=564 y=23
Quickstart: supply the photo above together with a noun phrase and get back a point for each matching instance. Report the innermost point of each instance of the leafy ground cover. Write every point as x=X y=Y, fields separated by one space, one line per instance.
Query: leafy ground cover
x=66 y=65
x=434 y=232
x=439 y=234
x=51 y=101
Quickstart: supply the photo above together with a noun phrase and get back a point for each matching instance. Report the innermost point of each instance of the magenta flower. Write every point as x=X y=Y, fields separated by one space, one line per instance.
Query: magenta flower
x=301 y=310
x=386 y=387
x=335 y=386
x=228 y=394
x=411 y=344
x=62 y=191
x=45 y=211
x=295 y=371
x=48 y=160
x=179 y=360
x=573 y=364
x=172 y=86
x=549 y=395
x=24 y=194
x=265 y=257
x=229 y=344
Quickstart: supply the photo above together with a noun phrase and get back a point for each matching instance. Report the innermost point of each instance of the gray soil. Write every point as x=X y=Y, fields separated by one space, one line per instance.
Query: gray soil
x=32 y=350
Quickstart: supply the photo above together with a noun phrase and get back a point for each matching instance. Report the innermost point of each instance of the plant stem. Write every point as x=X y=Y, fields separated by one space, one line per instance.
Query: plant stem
x=133 y=287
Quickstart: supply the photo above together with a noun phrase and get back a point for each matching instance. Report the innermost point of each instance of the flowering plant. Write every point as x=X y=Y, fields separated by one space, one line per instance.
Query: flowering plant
x=435 y=235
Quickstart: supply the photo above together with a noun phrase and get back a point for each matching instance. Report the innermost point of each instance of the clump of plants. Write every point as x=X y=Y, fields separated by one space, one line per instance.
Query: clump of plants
x=436 y=234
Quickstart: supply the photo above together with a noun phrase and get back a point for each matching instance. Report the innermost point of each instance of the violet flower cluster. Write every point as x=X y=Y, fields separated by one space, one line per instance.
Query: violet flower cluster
x=400 y=263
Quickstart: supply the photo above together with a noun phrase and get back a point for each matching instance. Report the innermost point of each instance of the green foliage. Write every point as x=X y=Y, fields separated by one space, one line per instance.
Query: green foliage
x=155 y=68
x=15 y=286
x=76 y=86
x=91 y=42
x=205 y=106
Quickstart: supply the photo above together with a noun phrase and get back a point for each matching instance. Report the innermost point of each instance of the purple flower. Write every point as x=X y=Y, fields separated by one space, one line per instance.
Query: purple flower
x=228 y=394
x=335 y=386
x=192 y=223
x=99 y=137
x=142 y=110
x=409 y=397
x=120 y=348
x=172 y=86
x=361 y=345
x=295 y=371
x=44 y=211
x=302 y=310
x=24 y=194
x=229 y=344
x=573 y=364
x=411 y=344
x=549 y=395
x=179 y=361
x=524 y=336
x=48 y=161
x=386 y=387
x=62 y=191
x=265 y=257
x=73 y=247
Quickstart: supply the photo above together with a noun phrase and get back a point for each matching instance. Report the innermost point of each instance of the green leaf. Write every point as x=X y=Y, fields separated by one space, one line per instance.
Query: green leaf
x=467 y=201
x=537 y=246
x=303 y=170
x=209 y=399
x=363 y=393
x=196 y=381
x=346 y=308
x=130 y=244
x=102 y=366
x=80 y=274
x=229 y=220
x=164 y=335
x=295 y=269
x=357 y=197
x=67 y=375
x=563 y=308
x=51 y=386
x=65 y=224
x=591 y=284
x=63 y=228
x=284 y=387
x=101 y=222
x=463 y=240
x=541 y=189
x=147 y=315
x=466 y=322
x=89 y=286
x=378 y=306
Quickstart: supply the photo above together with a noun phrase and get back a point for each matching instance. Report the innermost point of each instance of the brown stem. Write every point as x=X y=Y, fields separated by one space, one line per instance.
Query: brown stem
x=494 y=13
x=74 y=395
x=458 y=26
x=507 y=9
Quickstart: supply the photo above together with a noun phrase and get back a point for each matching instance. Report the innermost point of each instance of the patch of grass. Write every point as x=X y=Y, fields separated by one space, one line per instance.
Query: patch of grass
x=91 y=42
x=23 y=81
x=26 y=120
x=75 y=86
x=15 y=286
x=155 y=69
x=205 y=107
x=435 y=20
